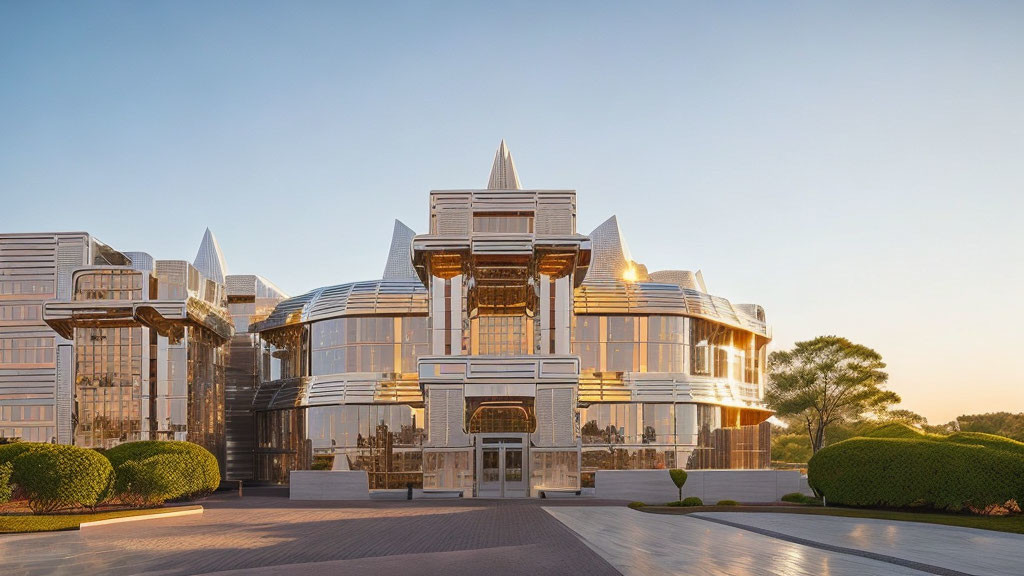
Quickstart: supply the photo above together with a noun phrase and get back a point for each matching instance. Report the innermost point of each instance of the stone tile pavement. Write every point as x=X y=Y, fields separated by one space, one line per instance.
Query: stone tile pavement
x=965 y=550
x=641 y=543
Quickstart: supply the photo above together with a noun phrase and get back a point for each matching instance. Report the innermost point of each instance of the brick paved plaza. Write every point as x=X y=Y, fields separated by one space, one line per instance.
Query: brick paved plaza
x=283 y=537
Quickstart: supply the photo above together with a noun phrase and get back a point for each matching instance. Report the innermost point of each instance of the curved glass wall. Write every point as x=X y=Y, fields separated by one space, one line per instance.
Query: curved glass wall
x=281 y=354
x=661 y=343
x=368 y=344
x=636 y=435
x=382 y=439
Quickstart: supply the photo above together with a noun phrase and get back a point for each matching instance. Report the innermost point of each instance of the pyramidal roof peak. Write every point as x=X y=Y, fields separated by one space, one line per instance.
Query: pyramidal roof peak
x=503 y=170
x=210 y=260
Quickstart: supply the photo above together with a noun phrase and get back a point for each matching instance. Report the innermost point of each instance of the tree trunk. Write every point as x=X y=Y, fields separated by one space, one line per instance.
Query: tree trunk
x=818 y=439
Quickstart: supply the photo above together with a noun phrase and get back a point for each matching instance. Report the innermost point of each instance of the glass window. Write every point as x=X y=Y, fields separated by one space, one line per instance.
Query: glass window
x=665 y=336
x=585 y=342
x=27 y=351
x=26 y=288
x=610 y=424
x=659 y=424
x=19 y=313
x=368 y=344
x=108 y=386
x=384 y=440
x=622 y=344
x=281 y=354
x=503 y=335
x=503 y=222
x=109 y=285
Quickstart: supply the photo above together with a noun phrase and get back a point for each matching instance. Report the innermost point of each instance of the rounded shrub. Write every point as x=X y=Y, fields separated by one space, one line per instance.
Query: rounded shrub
x=972 y=471
x=8 y=452
x=54 y=476
x=187 y=470
x=727 y=503
x=152 y=481
x=635 y=505
x=687 y=502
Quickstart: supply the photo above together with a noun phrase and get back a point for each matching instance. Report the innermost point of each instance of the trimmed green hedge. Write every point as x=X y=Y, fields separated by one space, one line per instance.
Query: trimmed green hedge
x=54 y=476
x=687 y=502
x=167 y=470
x=894 y=430
x=5 y=481
x=897 y=470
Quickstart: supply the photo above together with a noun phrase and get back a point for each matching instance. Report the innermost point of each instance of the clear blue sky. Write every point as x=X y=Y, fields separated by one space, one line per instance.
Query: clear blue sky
x=856 y=167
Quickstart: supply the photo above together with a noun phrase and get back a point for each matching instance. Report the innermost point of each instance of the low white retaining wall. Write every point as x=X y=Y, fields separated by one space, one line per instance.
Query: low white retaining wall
x=328 y=485
x=656 y=487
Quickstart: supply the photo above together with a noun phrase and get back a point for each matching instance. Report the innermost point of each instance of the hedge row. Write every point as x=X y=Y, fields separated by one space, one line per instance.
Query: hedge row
x=896 y=469
x=55 y=476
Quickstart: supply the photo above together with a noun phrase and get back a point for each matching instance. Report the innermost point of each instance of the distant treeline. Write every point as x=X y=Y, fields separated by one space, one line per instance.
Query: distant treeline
x=999 y=423
x=791 y=445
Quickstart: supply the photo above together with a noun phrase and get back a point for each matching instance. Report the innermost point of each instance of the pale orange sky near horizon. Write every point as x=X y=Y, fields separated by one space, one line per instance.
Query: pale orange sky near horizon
x=854 y=167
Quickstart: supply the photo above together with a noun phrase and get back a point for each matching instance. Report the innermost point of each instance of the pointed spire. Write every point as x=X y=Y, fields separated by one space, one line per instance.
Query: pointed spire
x=209 y=260
x=399 y=265
x=503 y=171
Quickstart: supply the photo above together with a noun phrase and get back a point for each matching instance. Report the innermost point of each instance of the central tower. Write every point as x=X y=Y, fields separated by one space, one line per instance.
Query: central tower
x=500 y=265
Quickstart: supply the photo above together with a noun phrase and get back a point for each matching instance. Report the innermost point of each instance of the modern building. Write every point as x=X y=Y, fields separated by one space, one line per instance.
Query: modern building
x=500 y=353
x=102 y=347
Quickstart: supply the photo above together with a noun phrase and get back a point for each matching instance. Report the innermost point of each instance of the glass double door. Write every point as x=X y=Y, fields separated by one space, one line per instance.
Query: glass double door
x=501 y=467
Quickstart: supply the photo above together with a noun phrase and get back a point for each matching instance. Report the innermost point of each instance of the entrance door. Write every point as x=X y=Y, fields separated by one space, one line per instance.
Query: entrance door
x=502 y=467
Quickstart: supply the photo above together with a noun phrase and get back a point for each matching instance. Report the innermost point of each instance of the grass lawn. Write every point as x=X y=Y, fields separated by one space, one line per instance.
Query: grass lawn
x=1014 y=523
x=50 y=522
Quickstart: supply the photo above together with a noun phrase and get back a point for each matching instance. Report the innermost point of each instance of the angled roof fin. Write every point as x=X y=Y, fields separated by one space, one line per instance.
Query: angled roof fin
x=610 y=259
x=399 y=265
x=503 y=171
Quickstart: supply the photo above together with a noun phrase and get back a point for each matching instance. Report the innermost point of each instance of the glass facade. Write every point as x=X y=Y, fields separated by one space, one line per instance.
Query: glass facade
x=693 y=436
x=368 y=344
x=383 y=440
x=671 y=344
x=108 y=386
x=281 y=444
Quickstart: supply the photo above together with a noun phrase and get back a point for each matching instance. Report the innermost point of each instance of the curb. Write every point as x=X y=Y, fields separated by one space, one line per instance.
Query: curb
x=188 y=512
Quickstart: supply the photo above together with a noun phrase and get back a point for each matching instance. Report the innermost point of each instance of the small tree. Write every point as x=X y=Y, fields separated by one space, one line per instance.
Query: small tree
x=678 y=478
x=825 y=381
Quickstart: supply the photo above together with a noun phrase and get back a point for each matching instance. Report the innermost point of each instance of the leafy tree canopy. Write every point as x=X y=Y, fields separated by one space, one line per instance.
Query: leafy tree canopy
x=825 y=382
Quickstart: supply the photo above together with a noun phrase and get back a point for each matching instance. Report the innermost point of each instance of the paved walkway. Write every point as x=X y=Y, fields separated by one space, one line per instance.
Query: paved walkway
x=788 y=544
x=952 y=548
x=272 y=535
